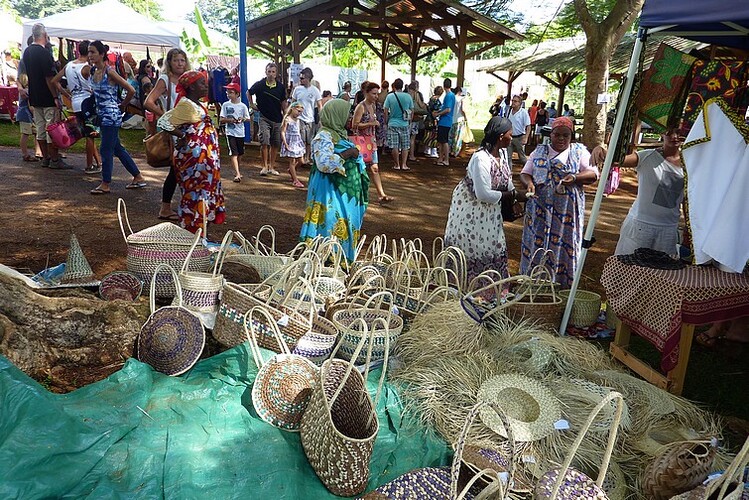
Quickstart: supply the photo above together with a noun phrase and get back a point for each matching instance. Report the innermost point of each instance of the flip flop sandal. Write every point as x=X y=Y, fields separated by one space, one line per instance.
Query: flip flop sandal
x=170 y=217
x=237 y=178
x=136 y=185
x=30 y=158
x=385 y=200
x=98 y=190
x=706 y=340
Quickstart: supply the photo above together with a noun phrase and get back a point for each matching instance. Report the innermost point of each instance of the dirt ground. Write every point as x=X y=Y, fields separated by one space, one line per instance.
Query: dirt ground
x=42 y=207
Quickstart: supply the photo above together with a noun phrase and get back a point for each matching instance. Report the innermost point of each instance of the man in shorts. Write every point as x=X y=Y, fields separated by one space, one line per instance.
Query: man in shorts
x=398 y=112
x=310 y=98
x=40 y=69
x=271 y=102
x=444 y=123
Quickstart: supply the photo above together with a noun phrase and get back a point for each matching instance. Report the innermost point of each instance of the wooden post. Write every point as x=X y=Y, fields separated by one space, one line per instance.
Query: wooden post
x=295 y=50
x=385 y=44
x=414 y=46
x=462 y=39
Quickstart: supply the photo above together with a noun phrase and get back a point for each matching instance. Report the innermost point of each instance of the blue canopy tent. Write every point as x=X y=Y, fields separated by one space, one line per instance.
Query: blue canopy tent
x=718 y=22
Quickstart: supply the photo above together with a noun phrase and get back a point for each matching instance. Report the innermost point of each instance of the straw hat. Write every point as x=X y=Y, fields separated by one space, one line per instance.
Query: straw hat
x=77 y=269
x=657 y=401
x=171 y=340
x=531 y=356
x=581 y=396
x=530 y=407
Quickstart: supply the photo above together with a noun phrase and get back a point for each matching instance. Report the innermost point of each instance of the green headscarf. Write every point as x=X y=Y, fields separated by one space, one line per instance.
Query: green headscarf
x=333 y=118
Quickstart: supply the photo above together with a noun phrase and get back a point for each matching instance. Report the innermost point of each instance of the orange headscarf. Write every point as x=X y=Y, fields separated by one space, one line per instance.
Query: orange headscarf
x=186 y=80
x=563 y=121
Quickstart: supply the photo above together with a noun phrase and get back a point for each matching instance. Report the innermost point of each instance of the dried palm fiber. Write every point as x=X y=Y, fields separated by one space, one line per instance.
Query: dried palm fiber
x=579 y=397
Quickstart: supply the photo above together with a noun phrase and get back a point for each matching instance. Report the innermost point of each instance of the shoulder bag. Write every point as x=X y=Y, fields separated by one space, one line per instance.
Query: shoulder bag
x=406 y=114
x=159 y=146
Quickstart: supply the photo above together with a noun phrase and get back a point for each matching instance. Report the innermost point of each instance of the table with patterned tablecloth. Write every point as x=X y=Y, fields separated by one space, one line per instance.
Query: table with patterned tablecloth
x=663 y=306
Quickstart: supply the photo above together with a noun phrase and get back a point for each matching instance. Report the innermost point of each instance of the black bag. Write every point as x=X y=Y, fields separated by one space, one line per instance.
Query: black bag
x=508 y=207
x=88 y=108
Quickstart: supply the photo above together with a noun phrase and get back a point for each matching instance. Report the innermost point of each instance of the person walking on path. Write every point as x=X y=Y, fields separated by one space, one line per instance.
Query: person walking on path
x=161 y=99
x=233 y=115
x=521 y=129
x=271 y=102
x=292 y=146
x=104 y=82
x=444 y=123
x=398 y=112
x=365 y=123
x=40 y=69
x=77 y=73
x=310 y=98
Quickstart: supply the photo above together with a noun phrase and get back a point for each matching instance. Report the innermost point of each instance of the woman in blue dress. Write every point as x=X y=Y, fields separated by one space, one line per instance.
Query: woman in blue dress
x=338 y=191
x=104 y=84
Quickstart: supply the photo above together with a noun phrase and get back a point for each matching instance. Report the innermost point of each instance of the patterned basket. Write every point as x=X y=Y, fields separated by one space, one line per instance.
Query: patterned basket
x=565 y=483
x=349 y=323
x=236 y=300
x=164 y=243
x=173 y=338
x=680 y=466
x=442 y=483
x=200 y=291
x=538 y=300
x=264 y=258
x=120 y=285
x=733 y=484
x=340 y=424
x=487 y=295
x=585 y=307
x=318 y=343
x=284 y=383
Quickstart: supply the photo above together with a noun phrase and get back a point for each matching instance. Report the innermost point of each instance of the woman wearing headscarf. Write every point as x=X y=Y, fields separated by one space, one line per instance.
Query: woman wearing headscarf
x=474 y=223
x=338 y=191
x=196 y=154
x=554 y=176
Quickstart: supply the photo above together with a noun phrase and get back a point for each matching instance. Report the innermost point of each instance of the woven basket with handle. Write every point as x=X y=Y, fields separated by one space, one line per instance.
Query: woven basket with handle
x=733 y=484
x=679 y=467
x=165 y=243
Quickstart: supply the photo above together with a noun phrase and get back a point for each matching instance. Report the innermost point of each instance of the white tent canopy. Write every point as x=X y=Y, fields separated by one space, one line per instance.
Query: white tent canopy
x=108 y=20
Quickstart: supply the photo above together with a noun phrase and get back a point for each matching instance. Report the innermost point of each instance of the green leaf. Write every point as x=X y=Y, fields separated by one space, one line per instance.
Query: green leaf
x=201 y=28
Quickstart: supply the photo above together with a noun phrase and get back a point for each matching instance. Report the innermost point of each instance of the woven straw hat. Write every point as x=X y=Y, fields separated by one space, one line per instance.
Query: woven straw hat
x=77 y=269
x=531 y=356
x=171 y=340
x=584 y=396
x=530 y=407
x=658 y=401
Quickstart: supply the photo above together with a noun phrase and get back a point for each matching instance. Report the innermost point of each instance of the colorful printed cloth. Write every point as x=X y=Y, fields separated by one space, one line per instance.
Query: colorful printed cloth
x=712 y=79
x=554 y=220
x=337 y=195
x=475 y=226
x=664 y=87
x=456 y=137
x=198 y=169
x=294 y=140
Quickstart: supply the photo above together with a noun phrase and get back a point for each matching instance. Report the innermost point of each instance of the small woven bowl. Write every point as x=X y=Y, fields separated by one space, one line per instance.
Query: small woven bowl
x=120 y=285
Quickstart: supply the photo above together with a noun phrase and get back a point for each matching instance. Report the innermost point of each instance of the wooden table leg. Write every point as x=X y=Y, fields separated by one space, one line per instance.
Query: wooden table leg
x=623 y=334
x=677 y=374
x=619 y=349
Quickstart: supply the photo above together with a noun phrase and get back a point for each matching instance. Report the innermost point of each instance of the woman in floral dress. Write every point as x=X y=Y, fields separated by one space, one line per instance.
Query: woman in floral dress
x=338 y=191
x=474 y=223
x=196 y=155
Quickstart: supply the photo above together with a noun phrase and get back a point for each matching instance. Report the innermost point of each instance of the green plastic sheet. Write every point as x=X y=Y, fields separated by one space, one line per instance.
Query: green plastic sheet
x=141 y=434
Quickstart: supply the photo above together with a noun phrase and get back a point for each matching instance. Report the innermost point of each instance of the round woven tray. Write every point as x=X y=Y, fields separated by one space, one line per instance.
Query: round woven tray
x=120 y=285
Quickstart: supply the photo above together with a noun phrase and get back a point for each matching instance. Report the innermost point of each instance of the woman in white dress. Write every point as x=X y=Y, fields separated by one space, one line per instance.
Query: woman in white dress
x=474 y=223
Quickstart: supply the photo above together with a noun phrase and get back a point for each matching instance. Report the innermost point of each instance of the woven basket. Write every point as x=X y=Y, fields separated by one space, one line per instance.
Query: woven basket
x=454 y=259
x=487 y=296
x=236 y=300
x=201 y=291
x=733 y=484
x=120 y=285
x=538 y=300
x=173 y=338
x=284 y=383
x=164 y=243
x=264 y=258
x=433 y=483
x=679 y=467
x=585 y=307
x=340 y=425
x=565 y=483
x=349 y=321
x=318 y=343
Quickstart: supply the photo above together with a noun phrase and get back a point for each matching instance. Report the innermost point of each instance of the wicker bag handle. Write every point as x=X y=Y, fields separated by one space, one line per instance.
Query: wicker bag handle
x=186 y=262
x=359 y=246
x=443 y=277
x=438 y=246
x=496 y=483
x=307 y=287
x=611 y=396
x=223 y=251
x=376 y=300
x=488 y=276
x=332 y=249
x=734 y=472
x=177 y=286
x=498 y=288
x=252 y=336
x=377 y=247
x=298 y=250
x=457 y=258
x=122 y=210
x=417 y=259
x=260 y=247
x=373 y=286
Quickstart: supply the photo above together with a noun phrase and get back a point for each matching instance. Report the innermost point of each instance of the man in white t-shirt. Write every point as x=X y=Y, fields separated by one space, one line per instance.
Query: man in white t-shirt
x=521 y=128
x=309 y=96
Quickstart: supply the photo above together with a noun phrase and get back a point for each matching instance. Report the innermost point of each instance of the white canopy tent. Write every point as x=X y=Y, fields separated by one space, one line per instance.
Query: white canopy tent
x=109 y=21
x=721 y=22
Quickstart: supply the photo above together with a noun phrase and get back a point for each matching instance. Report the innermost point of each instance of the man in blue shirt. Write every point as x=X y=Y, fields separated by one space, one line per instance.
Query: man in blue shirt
x=445 y=116
x=398 y=112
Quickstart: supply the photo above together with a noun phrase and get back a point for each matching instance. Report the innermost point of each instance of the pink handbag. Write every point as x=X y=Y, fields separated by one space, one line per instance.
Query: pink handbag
x=366 y=144
x=65 y=133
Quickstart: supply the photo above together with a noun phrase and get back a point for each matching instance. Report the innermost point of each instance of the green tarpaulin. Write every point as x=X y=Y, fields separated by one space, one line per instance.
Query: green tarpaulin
x=141 y=434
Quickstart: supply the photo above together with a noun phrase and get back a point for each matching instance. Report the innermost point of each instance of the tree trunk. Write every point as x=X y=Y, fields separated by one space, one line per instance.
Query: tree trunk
x=597 y=68
x=68 y=339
